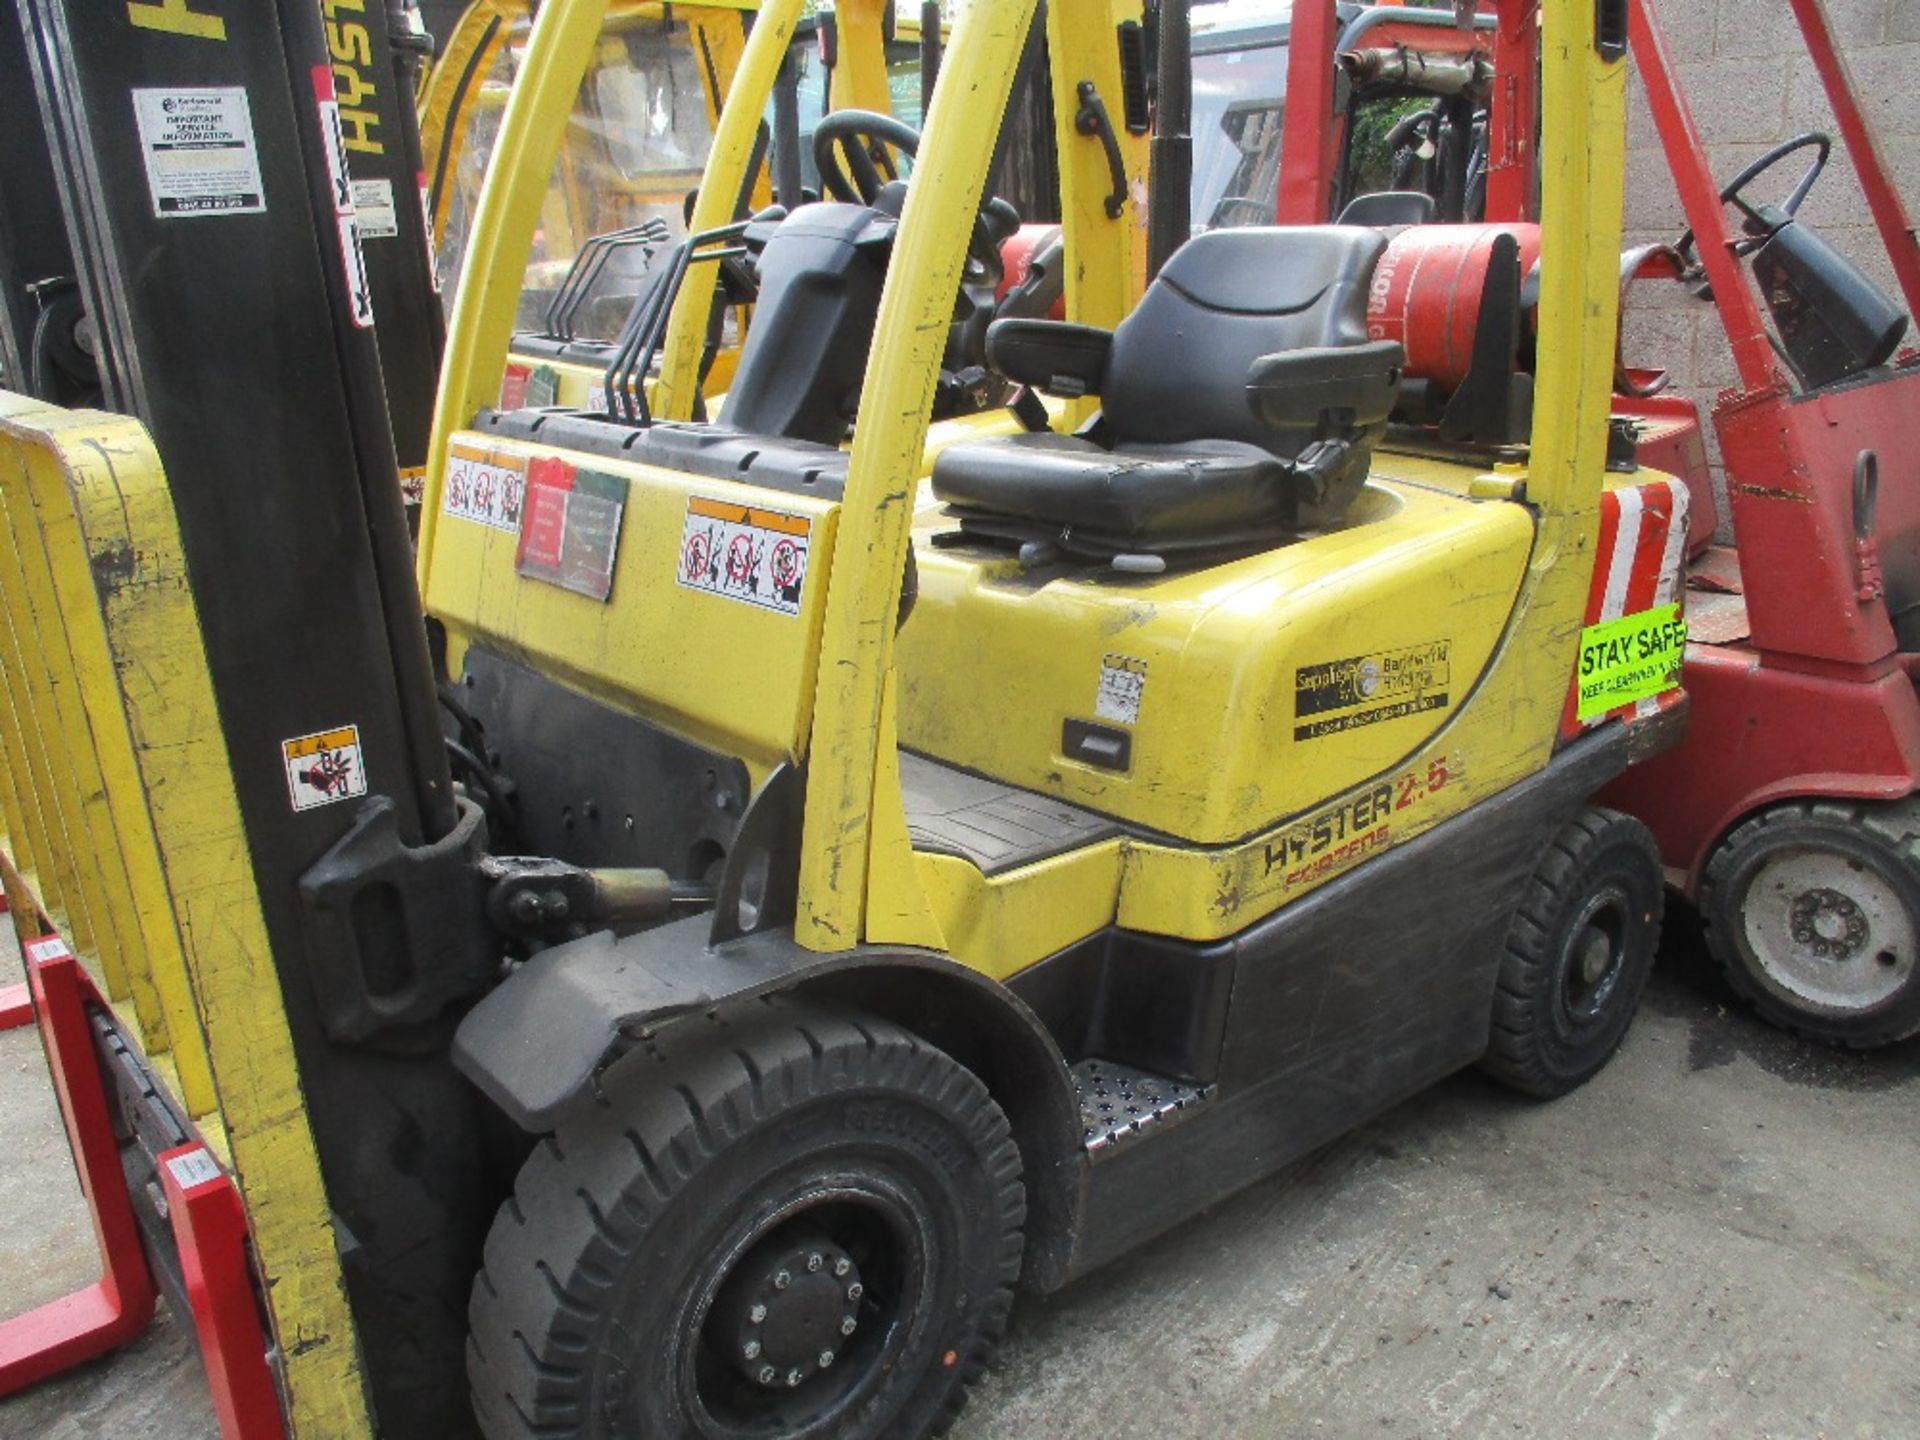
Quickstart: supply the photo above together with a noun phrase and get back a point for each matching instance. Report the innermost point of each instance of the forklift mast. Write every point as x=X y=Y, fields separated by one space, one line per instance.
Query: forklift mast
x=205 y=159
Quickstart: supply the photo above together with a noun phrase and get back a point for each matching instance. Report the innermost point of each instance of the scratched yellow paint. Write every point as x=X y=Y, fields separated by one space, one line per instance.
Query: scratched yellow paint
x=36 y=508
x=105 y=513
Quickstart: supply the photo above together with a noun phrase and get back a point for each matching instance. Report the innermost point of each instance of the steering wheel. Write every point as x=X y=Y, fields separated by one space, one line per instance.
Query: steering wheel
x=849 y=147
x=1758 y=227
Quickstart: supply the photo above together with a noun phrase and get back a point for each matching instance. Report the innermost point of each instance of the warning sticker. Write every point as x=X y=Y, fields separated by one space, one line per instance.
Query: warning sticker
x=1340 y=695
x=571 y=530
x=1123 y=681
x=1629 y=659
x=373 y=200
x=325 y=768
x=196 y=1167
x=344 y=191
x=199 y=151
x=489 y=489
x=755 y=556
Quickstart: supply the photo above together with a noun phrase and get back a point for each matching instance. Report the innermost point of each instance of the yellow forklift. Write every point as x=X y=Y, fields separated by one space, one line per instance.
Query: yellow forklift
x=637 y=142
x=827 y=863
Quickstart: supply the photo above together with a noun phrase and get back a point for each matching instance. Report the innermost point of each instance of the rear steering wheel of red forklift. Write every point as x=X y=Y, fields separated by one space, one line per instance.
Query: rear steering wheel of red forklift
x=1813 y=912
x=807 y=1225
x=1577 y=955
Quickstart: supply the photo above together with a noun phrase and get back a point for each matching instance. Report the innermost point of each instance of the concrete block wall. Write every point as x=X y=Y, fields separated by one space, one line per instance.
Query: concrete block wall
x=1746 y=74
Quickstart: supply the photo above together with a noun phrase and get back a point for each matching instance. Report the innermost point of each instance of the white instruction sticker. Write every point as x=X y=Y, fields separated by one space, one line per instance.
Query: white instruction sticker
x=488 y=489
x=758 y=557
x=196 y=1167
x=199 y=151
x=324 y=768
x=1123 y=680
x=373 y=199
x=47 y=947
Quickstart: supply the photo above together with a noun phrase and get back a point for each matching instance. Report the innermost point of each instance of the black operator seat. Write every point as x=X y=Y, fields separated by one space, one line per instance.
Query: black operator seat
x=1388 y=209
x=1240 y=403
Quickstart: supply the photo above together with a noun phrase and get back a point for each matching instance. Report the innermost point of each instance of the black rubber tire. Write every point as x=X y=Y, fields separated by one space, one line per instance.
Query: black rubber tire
x=1553 y=1029
x=617 y=1222
x=1883 y=836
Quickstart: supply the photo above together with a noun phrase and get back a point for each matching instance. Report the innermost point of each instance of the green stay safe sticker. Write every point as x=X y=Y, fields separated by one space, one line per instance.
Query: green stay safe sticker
x=1630 y=659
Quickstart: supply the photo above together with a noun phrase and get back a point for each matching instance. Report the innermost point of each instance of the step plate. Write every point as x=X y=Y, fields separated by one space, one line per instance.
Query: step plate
x=1119 y=1103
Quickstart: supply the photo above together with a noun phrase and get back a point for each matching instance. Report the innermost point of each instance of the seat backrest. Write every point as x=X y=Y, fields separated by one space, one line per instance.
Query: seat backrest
x=1178 y=368
x=1391 y=207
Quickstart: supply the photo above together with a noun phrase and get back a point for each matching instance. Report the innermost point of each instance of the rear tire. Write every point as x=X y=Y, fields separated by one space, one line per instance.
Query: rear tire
x=808 y=1225
x=1812 y=912
x=1577 y=955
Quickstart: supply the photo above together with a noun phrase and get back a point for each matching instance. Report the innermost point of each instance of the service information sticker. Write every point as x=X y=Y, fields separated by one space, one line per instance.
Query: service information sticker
x=758 y=557
x=487 y=489
x=199 y=150
x=325 y=768
x=1123 y=681
x=1633 y=658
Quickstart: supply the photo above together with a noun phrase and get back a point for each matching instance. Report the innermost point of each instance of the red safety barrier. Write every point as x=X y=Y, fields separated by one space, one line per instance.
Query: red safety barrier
x=16 y=1007
x=118 y=1306
x=210 y=1228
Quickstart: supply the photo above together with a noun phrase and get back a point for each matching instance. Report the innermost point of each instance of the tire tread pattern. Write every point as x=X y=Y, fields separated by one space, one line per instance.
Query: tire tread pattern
x=584 y=1199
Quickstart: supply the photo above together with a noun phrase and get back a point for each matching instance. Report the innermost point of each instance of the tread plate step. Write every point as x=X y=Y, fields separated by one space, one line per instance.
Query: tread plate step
x=1119 y=1103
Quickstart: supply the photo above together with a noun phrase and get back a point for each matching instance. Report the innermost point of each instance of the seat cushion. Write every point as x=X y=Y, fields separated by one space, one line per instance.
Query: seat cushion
x=1132 y=496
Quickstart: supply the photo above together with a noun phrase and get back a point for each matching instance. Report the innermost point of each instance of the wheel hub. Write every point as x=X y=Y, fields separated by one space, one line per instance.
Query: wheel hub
x=1827 y=929
x=788 y=1310
x=1828 y=923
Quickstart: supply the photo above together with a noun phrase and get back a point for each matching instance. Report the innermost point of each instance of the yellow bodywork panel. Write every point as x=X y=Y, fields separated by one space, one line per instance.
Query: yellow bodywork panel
x=688 y=651
x=1250 y=689
x=1000 y=924
x=99 y=610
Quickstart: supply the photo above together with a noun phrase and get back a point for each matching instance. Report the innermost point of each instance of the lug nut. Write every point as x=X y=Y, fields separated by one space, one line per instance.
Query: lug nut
x=768 y=1374
x=826 y=1358
x=757 y=1314
x=782 y=1280
x=849 y=1325
x=814 y=1262
x=751 y=1350
x=856 y=1290
x=794 y=1377
x=842 y=1266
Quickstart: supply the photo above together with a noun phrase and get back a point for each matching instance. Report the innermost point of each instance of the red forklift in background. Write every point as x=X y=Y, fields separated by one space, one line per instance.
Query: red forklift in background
x=1789 y=816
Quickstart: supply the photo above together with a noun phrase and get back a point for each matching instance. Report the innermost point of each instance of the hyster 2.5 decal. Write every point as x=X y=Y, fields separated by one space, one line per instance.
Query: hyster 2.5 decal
x=1322 y=845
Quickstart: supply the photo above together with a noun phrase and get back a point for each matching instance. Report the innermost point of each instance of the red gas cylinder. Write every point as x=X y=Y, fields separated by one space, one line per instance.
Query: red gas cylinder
x=1426 y=293
x=1017 y=253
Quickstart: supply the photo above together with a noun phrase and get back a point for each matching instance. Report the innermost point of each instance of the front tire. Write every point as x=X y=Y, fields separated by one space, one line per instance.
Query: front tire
x=807 y=1226
x=1812 y=912
x=1577 y=957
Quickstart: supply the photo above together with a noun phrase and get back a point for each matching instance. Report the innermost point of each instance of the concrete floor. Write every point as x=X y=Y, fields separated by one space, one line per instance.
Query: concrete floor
x=1719 y=1237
